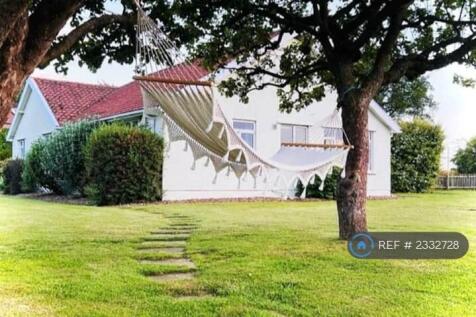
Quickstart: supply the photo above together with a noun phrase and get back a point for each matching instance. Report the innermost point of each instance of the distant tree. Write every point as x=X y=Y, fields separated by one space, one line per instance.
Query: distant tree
x=407 y=98
x=416 y=154
x=465 y=159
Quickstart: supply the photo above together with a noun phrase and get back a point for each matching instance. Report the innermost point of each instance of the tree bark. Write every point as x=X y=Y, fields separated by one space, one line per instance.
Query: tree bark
x=352 y=189
x=12 y=73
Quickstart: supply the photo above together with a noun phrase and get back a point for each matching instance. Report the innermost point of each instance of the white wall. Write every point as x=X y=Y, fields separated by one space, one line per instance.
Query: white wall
x=33 y=119
x=181 y=182
x=378 y=179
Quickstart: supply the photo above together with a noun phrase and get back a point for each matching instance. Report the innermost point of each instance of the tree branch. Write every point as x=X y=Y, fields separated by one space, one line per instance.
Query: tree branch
x=47 y=20
x=68 y=41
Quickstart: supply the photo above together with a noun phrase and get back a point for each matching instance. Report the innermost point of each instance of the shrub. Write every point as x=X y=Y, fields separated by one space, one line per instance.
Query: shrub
x=416 y=156
x=330 y=186
x=12 y=177
x=5 y=147
x=62 y=156
x=124 y=165
x=35 y=175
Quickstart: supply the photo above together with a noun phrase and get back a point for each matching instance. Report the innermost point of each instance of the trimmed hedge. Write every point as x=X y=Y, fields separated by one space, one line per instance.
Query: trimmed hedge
x=124 y=165
x=330 y=186
x=12 y=177
x=416 y=156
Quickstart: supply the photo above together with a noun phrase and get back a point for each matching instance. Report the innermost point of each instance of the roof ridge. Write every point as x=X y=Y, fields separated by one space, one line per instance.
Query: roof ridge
x=61 y=81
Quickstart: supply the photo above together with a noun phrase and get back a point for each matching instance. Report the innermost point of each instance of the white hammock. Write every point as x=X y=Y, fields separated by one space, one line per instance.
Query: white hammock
x=186 y=99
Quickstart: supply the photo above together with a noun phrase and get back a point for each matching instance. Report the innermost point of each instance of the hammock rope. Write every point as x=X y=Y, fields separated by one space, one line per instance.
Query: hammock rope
x=185 y=96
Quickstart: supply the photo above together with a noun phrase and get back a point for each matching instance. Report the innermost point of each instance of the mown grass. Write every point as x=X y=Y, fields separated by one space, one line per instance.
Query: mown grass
x=256 y=259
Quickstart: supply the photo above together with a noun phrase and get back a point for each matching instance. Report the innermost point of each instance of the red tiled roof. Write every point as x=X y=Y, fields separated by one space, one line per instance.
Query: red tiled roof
x=124 y=99
x=71 y=101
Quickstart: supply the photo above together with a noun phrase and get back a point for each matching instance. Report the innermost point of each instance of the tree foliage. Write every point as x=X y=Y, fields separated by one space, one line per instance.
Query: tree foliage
x=416 y=156
x=407 y=98
x=465 y=159
x=378 y=40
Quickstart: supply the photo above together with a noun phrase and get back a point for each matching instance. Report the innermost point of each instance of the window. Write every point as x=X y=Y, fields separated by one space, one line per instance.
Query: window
x=333 y=135
x=294 y=133
x=246 y=130
x=21 y=145
x=150 y=122
x=371 y=151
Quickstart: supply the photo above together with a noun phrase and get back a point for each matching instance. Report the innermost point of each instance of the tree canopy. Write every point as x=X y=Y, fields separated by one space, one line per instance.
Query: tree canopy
x=465 y=159
x=343 y=44
x=407 y=98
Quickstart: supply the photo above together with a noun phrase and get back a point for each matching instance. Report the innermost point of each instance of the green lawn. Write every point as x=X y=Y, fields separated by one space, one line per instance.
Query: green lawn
x=255 y=259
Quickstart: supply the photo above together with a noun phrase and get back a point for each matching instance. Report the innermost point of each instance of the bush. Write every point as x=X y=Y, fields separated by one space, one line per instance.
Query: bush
x=330 y=186
x=35 y=175
x=416 y=156
x=5 y=147
x=62 y=157
x=124 y=165
x=12 y=177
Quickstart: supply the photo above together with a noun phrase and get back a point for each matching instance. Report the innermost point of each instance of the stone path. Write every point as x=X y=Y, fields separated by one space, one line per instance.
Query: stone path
x=163 y=252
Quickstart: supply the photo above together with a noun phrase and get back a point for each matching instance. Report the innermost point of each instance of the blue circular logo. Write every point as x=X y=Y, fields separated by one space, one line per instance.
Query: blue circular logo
x=361 y=245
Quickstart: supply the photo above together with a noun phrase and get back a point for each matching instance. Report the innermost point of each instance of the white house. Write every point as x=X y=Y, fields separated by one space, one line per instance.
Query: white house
x=45 y=105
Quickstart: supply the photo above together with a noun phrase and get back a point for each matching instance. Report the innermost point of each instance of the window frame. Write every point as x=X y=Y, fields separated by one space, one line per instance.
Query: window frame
x=22 y=145
x=371 y=164
x=293 y=130
x=239 y=131
x=151 y=119
x=333 y=139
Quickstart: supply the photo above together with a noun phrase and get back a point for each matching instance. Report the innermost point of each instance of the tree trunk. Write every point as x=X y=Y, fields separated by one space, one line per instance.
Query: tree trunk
x=352 y=189
x=12 y=72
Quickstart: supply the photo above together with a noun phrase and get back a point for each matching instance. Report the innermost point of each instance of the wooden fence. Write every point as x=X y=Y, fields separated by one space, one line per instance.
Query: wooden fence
x=459 y=181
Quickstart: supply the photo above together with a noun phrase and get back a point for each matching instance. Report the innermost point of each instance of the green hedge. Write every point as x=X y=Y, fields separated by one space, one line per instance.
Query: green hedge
x=12 y=172
x=35 y=173
x=124 y=165
x=5 y=146
x=329 y=190
x=57 y=163
x=416 y=156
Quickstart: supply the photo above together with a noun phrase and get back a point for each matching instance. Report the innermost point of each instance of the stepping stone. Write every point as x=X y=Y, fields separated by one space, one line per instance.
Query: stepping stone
x=193 y=297
x=179 y=262
x=167 y=238
x=170 y=277
x=174 y=250
x=183 y=224
x=161 y=244
x=172 y=232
